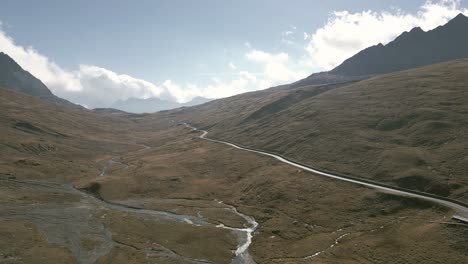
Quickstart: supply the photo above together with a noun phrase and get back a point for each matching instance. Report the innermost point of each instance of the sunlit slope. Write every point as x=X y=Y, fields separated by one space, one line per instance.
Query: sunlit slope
x=407 y=128
x=43 y=140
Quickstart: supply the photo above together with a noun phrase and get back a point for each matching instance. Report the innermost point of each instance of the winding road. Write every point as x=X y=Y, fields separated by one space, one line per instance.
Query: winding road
x=74 y=218
x=459 y=207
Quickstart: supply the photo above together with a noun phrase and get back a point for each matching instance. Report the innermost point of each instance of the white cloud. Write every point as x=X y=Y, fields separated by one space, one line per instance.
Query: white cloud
x=102 y=87
x=89 y=85
x=287 y=36
x=217 y=89
x=287 y=41
x=232 y=66
x=94 y=86
x=261 y=56
x=343 y=35
x=347 y=33
x=277 y=68
x=39 y=65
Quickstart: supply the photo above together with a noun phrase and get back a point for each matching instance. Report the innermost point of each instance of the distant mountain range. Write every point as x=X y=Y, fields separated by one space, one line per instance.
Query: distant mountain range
x=13 y=77
x=411 y=49
x=151 y=105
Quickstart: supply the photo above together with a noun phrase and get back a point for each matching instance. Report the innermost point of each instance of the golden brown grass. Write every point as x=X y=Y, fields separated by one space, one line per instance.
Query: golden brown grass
x=407 y=128
x=45 y=145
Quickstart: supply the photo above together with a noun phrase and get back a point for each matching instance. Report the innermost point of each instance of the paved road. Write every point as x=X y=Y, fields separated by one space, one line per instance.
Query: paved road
x=458 y=207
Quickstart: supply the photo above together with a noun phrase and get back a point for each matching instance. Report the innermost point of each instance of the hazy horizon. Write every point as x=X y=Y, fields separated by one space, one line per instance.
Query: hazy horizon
x=176 y=51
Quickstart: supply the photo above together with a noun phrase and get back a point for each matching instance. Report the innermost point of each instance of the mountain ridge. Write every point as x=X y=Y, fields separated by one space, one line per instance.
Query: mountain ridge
x=389 y=128
x=411 y=49
x=14 y=77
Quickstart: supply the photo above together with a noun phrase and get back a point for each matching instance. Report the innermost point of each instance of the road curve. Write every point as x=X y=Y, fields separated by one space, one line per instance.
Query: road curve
x=459 y=207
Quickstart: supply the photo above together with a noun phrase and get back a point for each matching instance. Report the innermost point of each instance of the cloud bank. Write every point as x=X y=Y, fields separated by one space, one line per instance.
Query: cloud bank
x=347 y=33
x=343 y=35
x=39 y=65
x=94 y=86
x=90 y=86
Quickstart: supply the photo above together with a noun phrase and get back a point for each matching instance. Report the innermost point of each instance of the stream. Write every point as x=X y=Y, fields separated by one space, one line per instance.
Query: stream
x=241 y=254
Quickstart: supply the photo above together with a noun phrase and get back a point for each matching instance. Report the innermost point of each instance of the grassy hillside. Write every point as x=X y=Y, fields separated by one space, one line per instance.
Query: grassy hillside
x=42 y=140
x=407 y=128
x=45 y=145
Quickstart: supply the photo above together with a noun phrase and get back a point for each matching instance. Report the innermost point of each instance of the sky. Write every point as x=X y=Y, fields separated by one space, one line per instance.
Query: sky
x=96 y=52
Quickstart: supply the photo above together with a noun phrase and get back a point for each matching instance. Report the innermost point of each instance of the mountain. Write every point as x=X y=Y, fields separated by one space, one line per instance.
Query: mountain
x=151 y=105
x=79 y=186
x=149 y=173
x=13 y=77
x=407 y=128
x=411 y=49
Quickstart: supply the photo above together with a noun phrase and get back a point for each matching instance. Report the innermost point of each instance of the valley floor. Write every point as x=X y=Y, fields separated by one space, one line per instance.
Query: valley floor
x=168 y=197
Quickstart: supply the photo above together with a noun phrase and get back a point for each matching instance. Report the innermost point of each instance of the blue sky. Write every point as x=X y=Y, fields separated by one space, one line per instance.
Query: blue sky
x=180 y=49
